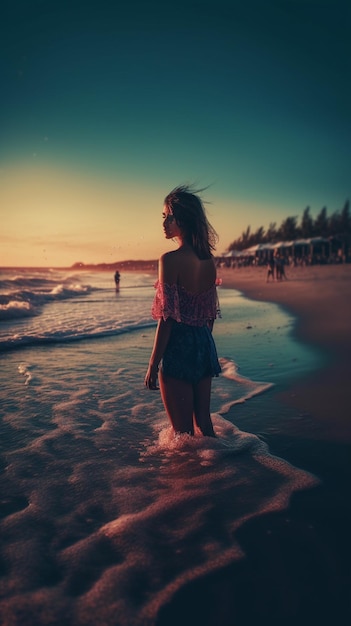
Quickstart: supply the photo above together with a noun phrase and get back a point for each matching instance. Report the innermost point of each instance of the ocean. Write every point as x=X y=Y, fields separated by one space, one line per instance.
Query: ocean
x=104 y=515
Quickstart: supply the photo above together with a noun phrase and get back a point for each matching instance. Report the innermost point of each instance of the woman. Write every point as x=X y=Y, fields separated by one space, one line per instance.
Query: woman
x=185 y=306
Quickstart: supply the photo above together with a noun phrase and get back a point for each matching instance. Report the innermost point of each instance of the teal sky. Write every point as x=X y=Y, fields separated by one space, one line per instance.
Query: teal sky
x=251 y=98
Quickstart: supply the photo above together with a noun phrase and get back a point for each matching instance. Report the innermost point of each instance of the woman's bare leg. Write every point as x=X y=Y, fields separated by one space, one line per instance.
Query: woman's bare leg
x=202 y=397
x=178 y=399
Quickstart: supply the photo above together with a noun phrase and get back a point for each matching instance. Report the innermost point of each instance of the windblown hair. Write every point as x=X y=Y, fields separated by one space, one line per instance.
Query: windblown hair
x=187 y=207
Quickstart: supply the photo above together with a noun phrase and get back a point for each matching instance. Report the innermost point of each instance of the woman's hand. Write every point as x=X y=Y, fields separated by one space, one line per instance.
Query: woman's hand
x=151 y=377
x=162 y=334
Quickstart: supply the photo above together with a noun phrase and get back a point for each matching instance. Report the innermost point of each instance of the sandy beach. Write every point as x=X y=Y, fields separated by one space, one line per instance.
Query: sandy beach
x=320 y=297
x=103 y=521
x=297 y=565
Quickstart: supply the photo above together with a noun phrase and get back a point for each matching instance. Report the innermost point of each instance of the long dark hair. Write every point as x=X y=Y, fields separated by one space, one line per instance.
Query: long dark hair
x=186 y=206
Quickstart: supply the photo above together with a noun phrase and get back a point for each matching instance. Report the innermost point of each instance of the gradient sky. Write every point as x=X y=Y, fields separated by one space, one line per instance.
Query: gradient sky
x=104 y=108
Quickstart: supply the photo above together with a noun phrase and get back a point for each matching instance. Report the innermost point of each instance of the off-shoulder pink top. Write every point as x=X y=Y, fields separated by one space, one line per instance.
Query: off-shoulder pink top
x=176 y=302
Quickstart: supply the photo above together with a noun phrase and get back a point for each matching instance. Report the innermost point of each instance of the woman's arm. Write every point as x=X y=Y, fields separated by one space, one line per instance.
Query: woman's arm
x=167 y=274
x=160 y=343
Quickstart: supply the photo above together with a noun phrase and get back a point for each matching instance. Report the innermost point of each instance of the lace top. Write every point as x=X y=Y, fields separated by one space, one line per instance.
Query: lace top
x=176 y=302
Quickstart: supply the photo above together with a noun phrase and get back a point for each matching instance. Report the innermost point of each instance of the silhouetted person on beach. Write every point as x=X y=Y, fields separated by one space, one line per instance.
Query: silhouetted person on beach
x=117 y=280
x=270 y=270
x=282 y=270
x=279 y=266
x=185 y=306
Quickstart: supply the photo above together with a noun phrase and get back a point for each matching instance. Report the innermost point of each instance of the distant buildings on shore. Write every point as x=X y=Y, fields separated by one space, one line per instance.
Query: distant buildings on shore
x=297 y=252
x=118 y=266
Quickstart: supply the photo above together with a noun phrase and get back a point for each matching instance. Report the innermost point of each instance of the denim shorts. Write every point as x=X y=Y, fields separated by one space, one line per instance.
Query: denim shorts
x=190 y=354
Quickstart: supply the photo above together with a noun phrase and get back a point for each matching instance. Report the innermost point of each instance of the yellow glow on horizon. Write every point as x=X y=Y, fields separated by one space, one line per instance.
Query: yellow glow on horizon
x=54 y=217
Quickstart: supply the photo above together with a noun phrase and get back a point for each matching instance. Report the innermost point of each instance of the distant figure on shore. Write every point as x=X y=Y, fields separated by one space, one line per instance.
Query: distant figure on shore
x=186 y=306
x=117 y=280
x=282 y=270
x=270 y=270
x=279 y=266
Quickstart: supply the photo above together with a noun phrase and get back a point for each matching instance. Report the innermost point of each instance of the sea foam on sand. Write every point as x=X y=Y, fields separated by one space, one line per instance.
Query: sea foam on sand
x=105 y=515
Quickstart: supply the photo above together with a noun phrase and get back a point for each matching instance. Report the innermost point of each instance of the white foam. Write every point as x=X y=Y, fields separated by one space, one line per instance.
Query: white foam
x=16 y=309
x=250 y=388
x=24 y=370
x=107 y=513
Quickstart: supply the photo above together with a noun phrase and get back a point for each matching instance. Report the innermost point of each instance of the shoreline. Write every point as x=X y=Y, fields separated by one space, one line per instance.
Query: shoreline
x=320 y=299
x=296 y=568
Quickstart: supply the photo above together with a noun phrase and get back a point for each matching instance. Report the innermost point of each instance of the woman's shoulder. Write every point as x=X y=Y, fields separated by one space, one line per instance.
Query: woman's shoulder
x=168 y=267
x=184 y=268
x=167 y=257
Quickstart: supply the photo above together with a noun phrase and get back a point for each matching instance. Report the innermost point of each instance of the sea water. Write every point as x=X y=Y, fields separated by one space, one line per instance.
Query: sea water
x=104 y=514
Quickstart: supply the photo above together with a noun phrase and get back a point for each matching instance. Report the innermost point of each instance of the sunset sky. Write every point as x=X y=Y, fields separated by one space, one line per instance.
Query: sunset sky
x=104 y=108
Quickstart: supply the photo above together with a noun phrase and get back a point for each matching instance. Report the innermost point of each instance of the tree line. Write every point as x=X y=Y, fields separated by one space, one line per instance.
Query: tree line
x=338 y=224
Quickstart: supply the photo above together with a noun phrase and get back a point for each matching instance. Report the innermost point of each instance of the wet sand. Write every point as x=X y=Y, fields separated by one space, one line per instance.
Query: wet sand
x=320 y=297
x=296 y=568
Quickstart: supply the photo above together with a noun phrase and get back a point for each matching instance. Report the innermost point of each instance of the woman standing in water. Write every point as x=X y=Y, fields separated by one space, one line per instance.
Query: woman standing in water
x=185 y=306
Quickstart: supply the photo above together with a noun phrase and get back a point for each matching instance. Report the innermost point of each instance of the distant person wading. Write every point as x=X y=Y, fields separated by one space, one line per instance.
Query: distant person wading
x=117 y=280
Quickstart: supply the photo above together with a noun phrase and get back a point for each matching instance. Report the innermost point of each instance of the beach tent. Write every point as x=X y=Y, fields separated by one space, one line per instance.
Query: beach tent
x=316 y=240
x=312 y=241
x=301 y=242
x=307 y=246
x=261 y=249
x=258 y=250
x=252 y=250
x=281 y=244
x=232 y=254
x=249 y=251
